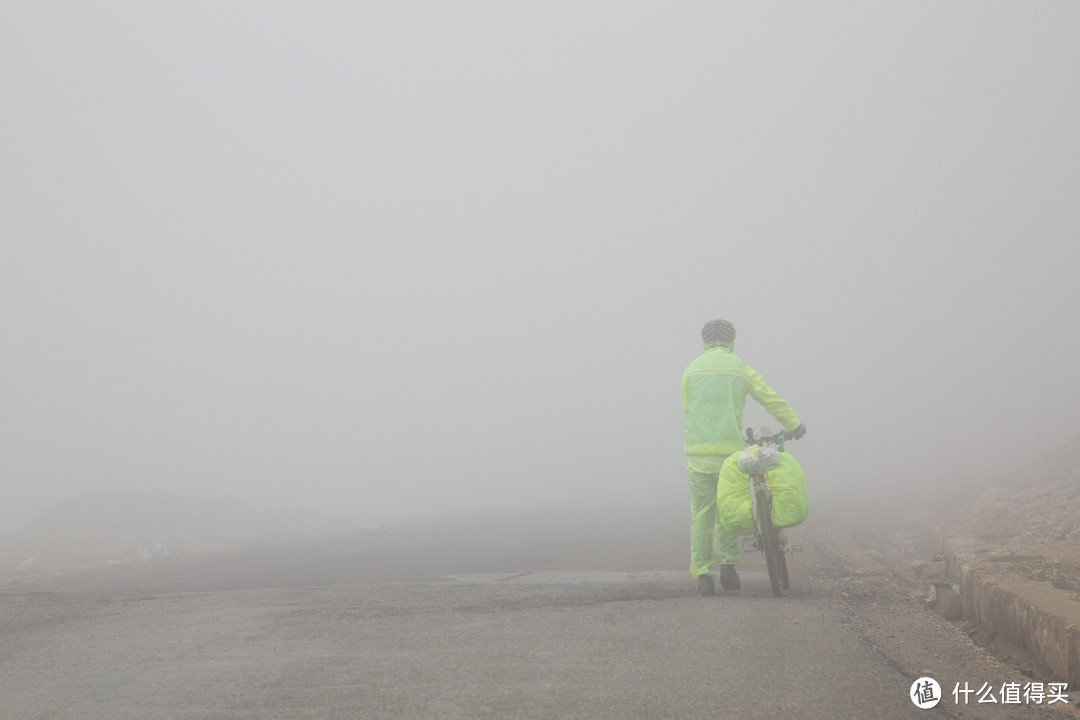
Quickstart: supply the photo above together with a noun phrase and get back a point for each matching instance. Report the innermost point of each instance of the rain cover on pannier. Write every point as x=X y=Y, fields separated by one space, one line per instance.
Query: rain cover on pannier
x=734 y=509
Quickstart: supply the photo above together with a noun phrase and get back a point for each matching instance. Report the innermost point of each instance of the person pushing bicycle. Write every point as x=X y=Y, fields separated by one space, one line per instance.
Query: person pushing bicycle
x=714 y=391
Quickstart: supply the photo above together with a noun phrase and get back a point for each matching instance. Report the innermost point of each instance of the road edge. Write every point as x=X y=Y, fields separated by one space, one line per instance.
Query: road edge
x=1039 y=620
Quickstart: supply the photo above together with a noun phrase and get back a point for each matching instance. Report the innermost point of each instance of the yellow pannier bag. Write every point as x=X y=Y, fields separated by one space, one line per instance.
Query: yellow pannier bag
x=734 y=509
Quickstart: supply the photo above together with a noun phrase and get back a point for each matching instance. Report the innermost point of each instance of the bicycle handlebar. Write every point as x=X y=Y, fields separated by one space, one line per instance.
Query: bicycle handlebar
x=777 y=439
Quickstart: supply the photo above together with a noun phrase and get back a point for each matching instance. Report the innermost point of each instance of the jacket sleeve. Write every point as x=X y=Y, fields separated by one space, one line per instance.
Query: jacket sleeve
x=768 y=399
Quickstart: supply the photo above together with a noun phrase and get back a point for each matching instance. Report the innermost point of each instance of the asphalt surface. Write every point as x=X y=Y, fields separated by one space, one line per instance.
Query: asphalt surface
x=546 y=617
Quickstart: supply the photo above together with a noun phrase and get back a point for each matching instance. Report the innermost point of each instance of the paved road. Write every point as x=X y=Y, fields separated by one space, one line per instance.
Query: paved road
x=546 y=618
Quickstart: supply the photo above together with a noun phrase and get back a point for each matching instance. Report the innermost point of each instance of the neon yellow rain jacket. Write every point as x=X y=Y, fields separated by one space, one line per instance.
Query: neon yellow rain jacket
x=714 y=390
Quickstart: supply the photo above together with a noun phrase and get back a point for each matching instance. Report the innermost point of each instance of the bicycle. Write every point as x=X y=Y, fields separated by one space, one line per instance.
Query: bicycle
x=771 y=541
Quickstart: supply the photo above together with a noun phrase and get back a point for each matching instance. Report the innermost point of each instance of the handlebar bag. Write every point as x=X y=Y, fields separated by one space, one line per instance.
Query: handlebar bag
x=735 y=510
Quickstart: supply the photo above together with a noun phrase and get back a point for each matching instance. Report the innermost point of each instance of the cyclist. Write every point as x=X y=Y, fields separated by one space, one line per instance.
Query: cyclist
x=714 y=390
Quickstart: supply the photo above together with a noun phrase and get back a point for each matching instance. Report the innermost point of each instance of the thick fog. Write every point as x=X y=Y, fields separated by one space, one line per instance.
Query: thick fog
x=381 y=259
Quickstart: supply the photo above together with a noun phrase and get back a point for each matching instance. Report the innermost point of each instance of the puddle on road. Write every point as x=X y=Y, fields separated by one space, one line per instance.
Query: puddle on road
x=568 y=577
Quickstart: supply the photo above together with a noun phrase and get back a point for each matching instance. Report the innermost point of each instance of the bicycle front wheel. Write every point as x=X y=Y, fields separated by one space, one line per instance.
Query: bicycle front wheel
x=782 y=560
x=770 y=546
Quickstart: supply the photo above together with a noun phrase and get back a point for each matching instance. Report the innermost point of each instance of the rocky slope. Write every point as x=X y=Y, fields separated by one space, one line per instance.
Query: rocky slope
x=1025 y=523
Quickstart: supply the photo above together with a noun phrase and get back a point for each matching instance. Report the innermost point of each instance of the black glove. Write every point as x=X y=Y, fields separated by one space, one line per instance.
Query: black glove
x=799 y=431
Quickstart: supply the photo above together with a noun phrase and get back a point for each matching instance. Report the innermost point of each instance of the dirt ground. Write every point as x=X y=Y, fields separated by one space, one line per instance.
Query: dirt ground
x=544 y=616
x=1025 y=523
x=131 y=527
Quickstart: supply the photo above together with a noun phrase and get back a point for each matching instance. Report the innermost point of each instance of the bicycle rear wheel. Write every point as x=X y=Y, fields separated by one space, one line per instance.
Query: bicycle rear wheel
x=770 y=545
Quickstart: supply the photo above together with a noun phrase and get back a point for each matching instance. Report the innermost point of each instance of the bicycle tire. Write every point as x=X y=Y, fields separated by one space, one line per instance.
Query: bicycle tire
x=782 y=558
x=770 y=544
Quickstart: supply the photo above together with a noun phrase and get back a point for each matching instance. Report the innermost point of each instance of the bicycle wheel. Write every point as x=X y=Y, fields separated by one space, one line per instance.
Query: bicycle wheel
x=781 y=557
x=770 y=544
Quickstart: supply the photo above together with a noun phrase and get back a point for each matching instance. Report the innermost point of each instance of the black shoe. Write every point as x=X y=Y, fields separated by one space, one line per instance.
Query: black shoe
x=705 y=585
x=729 y=579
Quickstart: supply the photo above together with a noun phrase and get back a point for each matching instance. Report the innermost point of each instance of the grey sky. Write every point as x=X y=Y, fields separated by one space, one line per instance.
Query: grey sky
x=382 y=258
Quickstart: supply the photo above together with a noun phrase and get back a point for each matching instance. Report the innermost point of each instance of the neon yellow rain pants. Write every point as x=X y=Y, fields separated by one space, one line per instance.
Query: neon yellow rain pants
x=709 y=543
